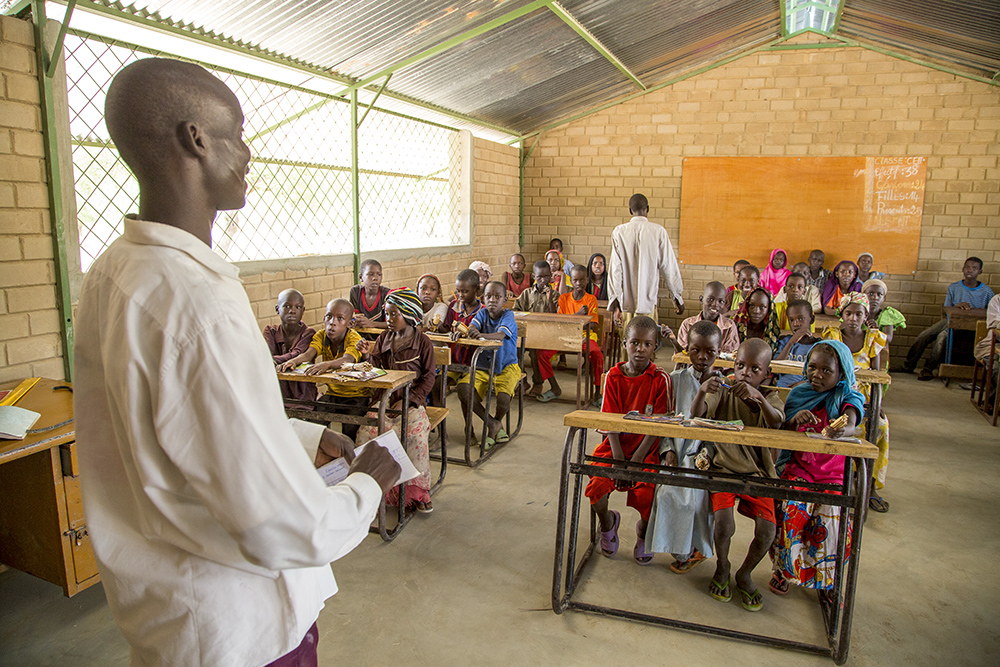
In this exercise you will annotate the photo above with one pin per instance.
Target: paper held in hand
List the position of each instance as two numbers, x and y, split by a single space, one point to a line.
336 471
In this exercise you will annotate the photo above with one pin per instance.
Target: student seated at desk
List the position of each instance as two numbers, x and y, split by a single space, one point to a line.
745 402
796 345
682 522
579 302
865 273
288 340
368 296
435 310
516 280
867 346
493 322
636 384
966 293
748 281
403 347
559 280
818 276
844 281
881 317
756 319
334 346
776 272
485 273
982 350
597 276
541 298
805 548
461 310
712 304
737 267
794 290
811 294
557 245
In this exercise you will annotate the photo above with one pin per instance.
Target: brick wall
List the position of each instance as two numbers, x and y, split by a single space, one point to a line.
495 215
30 344
817 102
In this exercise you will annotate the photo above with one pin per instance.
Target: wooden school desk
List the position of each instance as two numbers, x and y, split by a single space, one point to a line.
961 319
388 383
562 333
837 611
986 383
42 528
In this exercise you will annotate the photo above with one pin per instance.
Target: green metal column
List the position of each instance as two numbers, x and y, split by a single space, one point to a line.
46 70
355 185
520 183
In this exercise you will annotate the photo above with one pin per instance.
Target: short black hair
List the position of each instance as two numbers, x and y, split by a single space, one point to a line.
740 262
578 267
502 287
642 323
517 254
715 284
799 303
540 264
752 268
977 261
638 204
795 275
705 329
555 240
368 262
468 276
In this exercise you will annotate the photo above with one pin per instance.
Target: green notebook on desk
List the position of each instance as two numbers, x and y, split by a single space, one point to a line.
15 422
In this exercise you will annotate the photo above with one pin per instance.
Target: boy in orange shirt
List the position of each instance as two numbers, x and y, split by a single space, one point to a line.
579 302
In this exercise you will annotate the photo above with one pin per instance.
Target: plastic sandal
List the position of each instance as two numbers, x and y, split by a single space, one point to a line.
778 584
751 600
683 567
721 592
642 557
547 396
425 507
878 504
501 436
609 538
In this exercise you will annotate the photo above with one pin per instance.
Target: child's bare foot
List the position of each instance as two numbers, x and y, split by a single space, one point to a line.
494 427
535 391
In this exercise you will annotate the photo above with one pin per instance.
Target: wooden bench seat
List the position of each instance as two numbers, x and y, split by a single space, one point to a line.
436 415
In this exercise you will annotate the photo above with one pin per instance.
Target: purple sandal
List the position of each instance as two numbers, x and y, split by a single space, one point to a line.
642 557
609 538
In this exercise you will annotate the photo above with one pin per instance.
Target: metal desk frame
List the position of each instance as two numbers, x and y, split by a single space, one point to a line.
837 608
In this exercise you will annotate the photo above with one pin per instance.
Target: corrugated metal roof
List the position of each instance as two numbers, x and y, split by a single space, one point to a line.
536 70
965 34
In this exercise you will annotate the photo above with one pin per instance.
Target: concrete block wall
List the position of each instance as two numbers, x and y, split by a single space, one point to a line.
30 343
816 102
495 215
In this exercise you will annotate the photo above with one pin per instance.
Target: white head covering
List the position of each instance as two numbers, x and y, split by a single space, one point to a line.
477 266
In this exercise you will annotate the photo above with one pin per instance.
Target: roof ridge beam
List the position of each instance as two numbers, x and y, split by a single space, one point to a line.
591 39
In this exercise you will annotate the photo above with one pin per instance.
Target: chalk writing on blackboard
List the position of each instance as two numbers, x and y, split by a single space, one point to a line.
894 191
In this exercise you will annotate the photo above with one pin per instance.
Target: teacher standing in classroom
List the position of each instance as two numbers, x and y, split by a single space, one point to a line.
640 254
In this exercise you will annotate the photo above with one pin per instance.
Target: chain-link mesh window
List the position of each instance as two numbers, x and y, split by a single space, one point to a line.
299 186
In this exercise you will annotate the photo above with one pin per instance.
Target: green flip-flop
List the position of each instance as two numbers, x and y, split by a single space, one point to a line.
751 600
721 592
501 436
490 443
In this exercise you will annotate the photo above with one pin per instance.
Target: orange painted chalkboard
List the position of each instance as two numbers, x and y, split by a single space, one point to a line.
742 207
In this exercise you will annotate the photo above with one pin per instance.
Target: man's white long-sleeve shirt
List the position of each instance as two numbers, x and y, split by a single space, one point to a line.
212 530
640 253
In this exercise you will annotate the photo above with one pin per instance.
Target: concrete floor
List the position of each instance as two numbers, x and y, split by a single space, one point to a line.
470 583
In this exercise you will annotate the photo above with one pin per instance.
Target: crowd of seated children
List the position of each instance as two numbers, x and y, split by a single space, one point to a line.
516 280
795 289
597 276
844 281
579 302
634 384
712 304
541 298
775 274
485 273
805 548
968 292
289 340
756 319
747 281
493 322
882 317
742 400
817 275
681 522
331 348
403 347
868 347
368 296
796 345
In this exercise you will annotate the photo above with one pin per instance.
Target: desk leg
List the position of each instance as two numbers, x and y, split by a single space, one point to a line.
558 603
565 556
402 518
864 470
579 380
947 348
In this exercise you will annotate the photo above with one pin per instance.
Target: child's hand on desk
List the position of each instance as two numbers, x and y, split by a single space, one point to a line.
316 369
362 321
474 333
803 417
333 445
964 305
286 367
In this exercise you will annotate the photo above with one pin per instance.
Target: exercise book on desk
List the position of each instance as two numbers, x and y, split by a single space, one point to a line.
336 471
15 422
700 422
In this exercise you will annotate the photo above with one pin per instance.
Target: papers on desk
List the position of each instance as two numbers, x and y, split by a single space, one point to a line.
15 422
681 420
370 374
336 471
820 436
